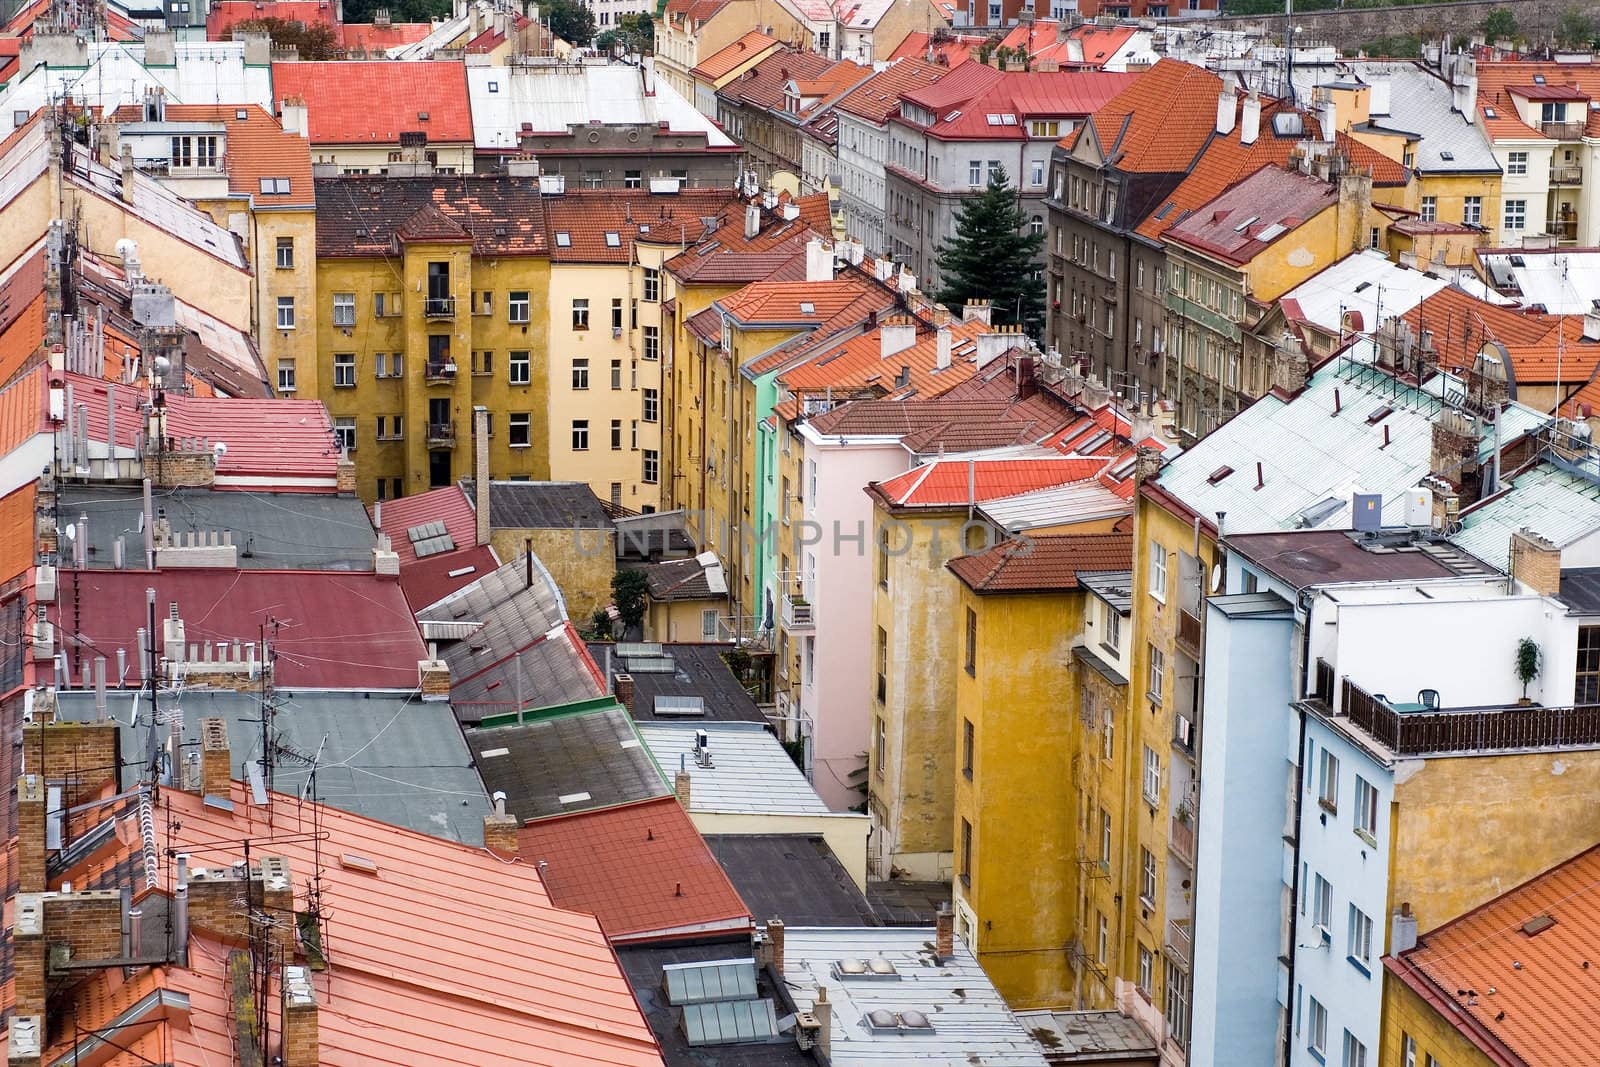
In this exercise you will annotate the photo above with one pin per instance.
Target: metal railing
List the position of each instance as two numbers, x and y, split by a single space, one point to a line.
1189 630
1323 683
441 435
439 372
1180 839
1566 174
439 307
1487 729
798 613
1180 943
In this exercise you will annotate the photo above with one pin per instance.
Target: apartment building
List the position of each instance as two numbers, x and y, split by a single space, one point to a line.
767 106
719 68
360 118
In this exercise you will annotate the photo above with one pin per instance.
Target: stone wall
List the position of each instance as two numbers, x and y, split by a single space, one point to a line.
1352 27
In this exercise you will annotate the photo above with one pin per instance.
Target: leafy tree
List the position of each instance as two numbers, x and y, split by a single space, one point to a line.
313 40
635 34
399 10
1500 25
1575 29
628 590
570 21
599 626
993 256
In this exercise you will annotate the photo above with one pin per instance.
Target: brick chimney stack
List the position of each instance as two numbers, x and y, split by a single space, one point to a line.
775 938
30 834
682 786
301 1047
500 828
1535 562
944 928
216 761
822 1010
25 1041
28 954
623 684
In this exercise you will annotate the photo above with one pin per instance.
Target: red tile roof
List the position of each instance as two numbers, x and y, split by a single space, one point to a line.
642 869
941 47
1022 96
787 302
1159 123
357 102
223 14
690 12
1263 208
724 61
1048 563
271 444
17 540
1462 324
257 147
879 96
602 225
334 630
859 363
429 580
1497 81
1531 1001
429 225
952 482
359 37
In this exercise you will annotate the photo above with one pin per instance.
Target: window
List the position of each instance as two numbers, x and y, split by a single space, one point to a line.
880 743
1108 731
344 370
616 374
616 435
1587 690
1158 671
1430 208
1050 128
1175 998
966 853
517 306
483 362
1152 775
519 368
1036 173
385 304
1113 630
1515 215
1158 571
967 746
633 434
1374 237
883 666
1147 967
1103 942
394 428
275 186
1355 1053
1516 163
1147 876
1366 810
285 375
975 172
652 343
580 314
631 179
1472 211
1105 837
1322 906
344 433
1328 781
519 429
652 285
286 253
652 466
580 374
580 435
285 312
1317 1029
1360 940
1408 1051
483 302
971 661
652 405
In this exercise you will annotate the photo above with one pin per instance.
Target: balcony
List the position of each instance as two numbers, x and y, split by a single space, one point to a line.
1563 229
439 307
1180 840
441 435
1566 174
1180 943
799 615
1189 631
1562 131
1418 730
439 372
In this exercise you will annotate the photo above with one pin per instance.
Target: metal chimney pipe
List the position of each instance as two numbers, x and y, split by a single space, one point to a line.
149 531
144 656
68 459
135 932
122 666
118 556
111 428
80 543
99 689
88 675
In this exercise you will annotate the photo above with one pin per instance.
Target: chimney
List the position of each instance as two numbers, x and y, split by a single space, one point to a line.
896 337
295 116
81 755
30 833
1227 102
1464 88
1402 930
682 787
216 762
941 315
775 938
301 1047
433 675
480 471
1096 394
1591 324
1290 367
1535 562
385 560
977 310
1250 121
944 932
1328 116
25 1040
1378 97
344 476
28 954
992 344
944 343
127 172
822 1011
500 828
622 686
1453 452
752 221
819 260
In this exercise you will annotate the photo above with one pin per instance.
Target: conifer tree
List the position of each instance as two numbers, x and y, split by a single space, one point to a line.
994 257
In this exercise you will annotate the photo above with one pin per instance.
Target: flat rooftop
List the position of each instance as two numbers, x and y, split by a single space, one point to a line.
697 671
1090 1037
1303 558
793 877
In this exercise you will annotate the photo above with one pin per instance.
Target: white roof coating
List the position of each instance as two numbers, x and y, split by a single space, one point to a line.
970 1023
206 72
1074 502
1419 103
1565 282
1366 281
1560 506
551 97
1312 460
750 772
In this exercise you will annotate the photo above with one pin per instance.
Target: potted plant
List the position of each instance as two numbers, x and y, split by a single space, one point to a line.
1527 665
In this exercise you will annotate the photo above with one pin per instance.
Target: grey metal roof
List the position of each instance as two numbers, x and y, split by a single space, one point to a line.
1251 605
543 506
383 756
1558 505
566 763
1089 1036
1312 459
280 531
520 645
793 877
698 671
1580 589
750 773
1114 587
971 1023
1419 102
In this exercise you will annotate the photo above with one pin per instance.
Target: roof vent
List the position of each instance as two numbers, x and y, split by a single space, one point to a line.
1538 925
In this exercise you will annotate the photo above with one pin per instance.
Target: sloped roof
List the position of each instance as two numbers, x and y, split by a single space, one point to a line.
1048 563
435 576
1557 505
642 870
878 97
1462 324
947 49
358 101
1159 123
762 85
680 579
257 147
726 59
359 215
602 225
795 303
859 363
1247 219
1497 80
954 482
1001 109
428 225
17 521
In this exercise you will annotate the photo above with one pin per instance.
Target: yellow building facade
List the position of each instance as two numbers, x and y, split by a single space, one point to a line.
1407 1015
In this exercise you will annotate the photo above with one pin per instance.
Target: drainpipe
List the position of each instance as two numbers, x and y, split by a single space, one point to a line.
1294 873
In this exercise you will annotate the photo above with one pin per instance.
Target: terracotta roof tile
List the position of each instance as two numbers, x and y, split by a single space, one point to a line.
1542 1011
642 869
367 102
950 482
1043 563
1461 324
793 302
17 540
223 14
429 225
1159 123
359 215
947 49
727 59
694 11
601 225
879 96
359 37
859 363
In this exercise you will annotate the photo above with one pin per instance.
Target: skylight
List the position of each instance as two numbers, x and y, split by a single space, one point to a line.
1538 79
613 239
563 239
808 308
1245 225
1488 112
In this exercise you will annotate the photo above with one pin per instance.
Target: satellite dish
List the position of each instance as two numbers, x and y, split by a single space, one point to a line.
1216 578
70 531
161 366
219 449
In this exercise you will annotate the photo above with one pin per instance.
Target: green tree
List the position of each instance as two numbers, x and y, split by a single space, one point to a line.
628 592
993 257
1500 25
570 21
1575 29
399 10
636 34
313 40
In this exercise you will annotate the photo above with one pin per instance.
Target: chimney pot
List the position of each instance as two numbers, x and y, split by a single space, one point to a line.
623 686
775 938
945 932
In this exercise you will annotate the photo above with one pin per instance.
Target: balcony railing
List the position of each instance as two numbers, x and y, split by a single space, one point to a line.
1323 683
1566 174
439 372
439 307
1486 729
1180 943
1562 229
441 435
799 616
1181 839
1562 131
1189 631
